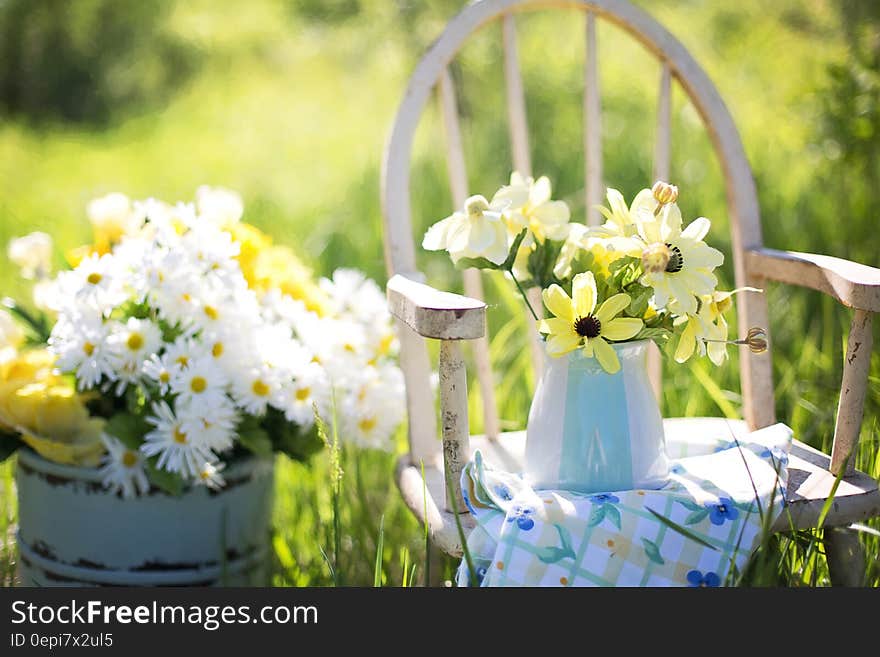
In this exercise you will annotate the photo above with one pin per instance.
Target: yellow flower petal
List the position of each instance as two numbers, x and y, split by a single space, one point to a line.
687 342
558 302
606 355
556 326
622 328
559 345
612 306
583 293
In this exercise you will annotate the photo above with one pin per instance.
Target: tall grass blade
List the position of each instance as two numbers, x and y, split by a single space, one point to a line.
380 548
674 526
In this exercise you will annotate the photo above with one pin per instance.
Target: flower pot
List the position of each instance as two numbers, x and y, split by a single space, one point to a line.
590 431
74 532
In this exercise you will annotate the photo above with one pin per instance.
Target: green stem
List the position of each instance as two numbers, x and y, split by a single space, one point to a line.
524 296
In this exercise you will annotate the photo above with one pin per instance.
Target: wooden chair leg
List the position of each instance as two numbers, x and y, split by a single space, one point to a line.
846 557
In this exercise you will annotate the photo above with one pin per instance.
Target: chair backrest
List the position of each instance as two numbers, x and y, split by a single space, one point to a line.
675 64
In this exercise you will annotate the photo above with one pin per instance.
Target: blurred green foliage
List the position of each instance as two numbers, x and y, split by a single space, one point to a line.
87 60
291 105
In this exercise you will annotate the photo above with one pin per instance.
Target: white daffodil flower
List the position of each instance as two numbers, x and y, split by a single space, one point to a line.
477 232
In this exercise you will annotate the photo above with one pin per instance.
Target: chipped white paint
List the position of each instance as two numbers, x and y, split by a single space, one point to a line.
454 417
435 314
851 406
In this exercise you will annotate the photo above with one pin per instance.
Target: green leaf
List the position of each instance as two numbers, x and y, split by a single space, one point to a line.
38 324
507 265
638 305
613 514
135 399
674 526
541 262
257 441
597 515
552 554
689 505
170 482
565 537
657 334
696 516
9 444
478 263
652 551
285 436
128 428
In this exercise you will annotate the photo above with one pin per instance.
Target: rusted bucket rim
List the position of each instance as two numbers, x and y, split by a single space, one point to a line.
121 577
239 469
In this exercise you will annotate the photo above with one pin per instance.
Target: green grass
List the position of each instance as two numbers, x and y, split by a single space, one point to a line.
294 113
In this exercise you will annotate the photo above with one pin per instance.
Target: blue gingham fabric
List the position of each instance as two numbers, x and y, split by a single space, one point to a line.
697 530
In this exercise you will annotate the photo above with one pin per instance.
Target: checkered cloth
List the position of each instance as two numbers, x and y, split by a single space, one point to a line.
693 532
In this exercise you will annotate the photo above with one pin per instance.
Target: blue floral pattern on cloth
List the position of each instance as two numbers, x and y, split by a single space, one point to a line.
521 516
723 510
696 578
719 491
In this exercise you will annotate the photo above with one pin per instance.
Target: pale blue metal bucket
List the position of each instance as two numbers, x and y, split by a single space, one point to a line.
73 532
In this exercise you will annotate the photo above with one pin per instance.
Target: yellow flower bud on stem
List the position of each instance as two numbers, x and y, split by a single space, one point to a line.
664 193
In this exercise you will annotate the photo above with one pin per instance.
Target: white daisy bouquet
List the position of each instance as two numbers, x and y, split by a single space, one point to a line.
182 338
642 274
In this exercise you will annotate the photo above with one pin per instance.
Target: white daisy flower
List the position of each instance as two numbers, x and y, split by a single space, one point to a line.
373 409
210 476
182 352
352 293
255 387
213 427
298 398
178 450
220 206
33 254
111 216
123 469
131 344
228 348
80 342
154 217
214 250
202 382
160 370
94 282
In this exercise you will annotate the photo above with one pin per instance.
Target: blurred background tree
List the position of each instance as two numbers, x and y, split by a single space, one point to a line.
89 60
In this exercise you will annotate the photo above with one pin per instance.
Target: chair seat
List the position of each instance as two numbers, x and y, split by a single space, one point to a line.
809 485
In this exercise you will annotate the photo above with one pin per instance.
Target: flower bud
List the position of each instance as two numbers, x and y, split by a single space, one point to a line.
476 206
655 257
664 192
756 339
33 254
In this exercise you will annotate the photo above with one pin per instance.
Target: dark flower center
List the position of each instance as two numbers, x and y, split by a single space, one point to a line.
722 508
676 260
587 327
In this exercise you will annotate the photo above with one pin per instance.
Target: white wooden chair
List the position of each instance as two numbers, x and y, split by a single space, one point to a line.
424 312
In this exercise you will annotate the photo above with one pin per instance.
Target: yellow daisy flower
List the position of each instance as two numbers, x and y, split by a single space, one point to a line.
579 324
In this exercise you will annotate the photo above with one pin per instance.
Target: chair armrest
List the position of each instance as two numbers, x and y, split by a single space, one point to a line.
852 284
435 314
